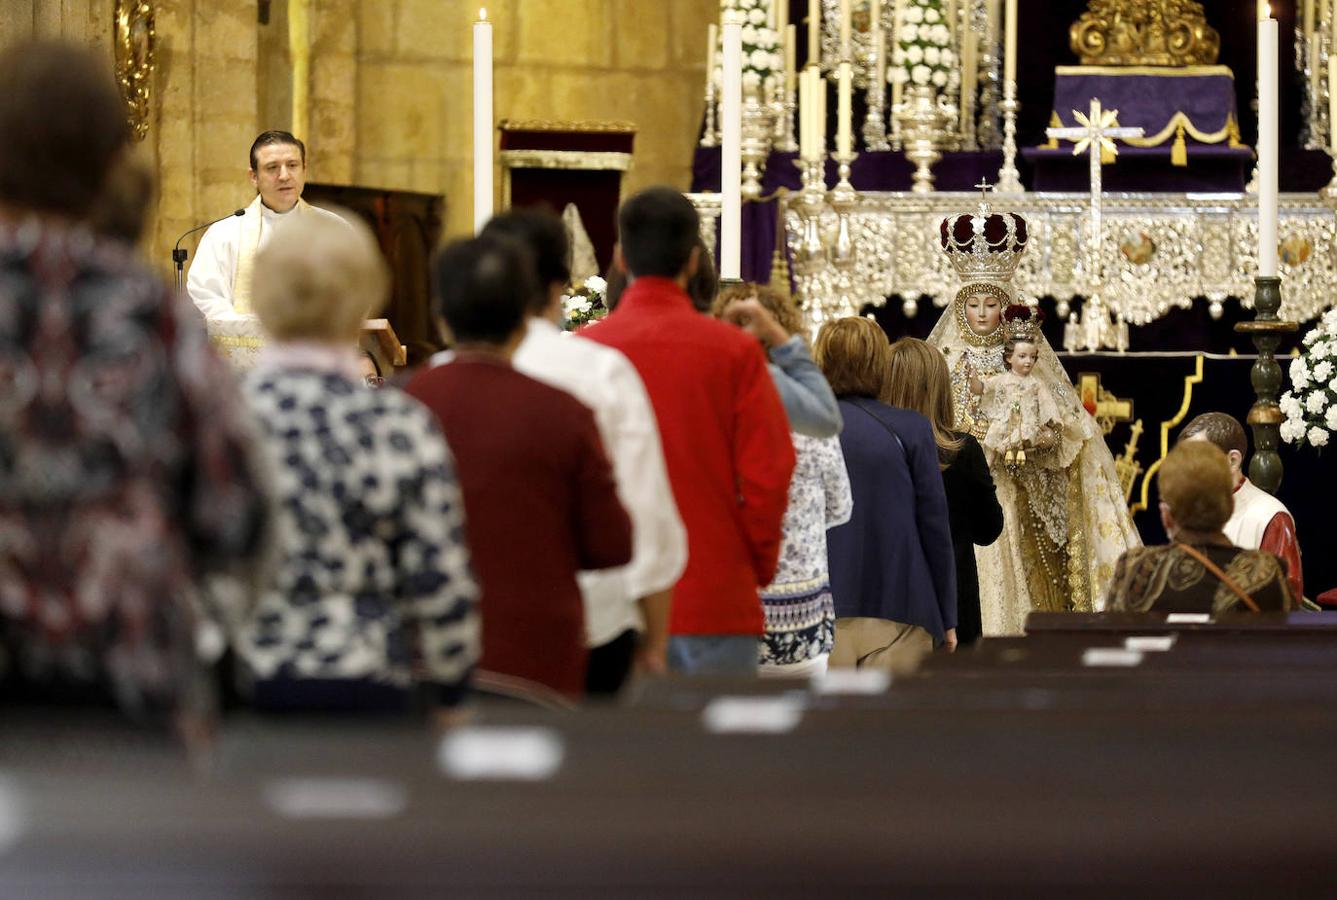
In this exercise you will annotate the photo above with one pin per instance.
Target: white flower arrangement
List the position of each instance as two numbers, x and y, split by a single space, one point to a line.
923 54
1310 406
763 60
584 304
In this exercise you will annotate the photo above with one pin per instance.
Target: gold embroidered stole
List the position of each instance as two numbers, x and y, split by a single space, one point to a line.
251 226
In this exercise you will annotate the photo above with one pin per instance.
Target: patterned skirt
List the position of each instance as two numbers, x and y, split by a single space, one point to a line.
800 622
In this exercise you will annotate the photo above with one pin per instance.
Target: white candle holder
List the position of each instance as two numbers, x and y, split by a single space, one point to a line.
785 104
710 136
810 256
875 125
1009 179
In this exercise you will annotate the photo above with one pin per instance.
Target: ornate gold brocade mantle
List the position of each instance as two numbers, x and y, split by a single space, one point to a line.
1145 33
1159 251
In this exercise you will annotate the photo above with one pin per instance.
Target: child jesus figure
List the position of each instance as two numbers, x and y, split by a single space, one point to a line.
1023 416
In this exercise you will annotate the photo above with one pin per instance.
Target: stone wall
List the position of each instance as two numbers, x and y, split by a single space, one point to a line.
391 93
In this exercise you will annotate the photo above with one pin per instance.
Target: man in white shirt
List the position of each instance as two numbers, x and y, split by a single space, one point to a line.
618 602
220 278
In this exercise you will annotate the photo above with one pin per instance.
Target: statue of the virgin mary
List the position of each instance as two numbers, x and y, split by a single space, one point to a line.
1066 523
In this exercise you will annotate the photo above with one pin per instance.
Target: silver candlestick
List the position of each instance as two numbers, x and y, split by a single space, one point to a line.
710 136
810 256
785 104
875 126
1009 179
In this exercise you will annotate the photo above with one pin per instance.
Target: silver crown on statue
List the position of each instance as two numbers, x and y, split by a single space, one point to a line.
985 245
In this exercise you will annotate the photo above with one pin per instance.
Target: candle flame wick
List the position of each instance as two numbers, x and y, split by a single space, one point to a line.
482 14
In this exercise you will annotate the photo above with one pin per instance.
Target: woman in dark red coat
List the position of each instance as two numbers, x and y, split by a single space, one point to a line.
540 501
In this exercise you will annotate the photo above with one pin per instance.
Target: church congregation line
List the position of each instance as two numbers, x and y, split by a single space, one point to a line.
687 485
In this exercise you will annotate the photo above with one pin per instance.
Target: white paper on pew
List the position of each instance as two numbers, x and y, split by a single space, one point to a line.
860 682
13 815
1111 656
1151 643
753 715
1188 619
335 798
496 753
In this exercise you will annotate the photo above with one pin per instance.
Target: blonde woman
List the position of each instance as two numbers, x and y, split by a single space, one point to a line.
918 380
800 615
1199 571
374 599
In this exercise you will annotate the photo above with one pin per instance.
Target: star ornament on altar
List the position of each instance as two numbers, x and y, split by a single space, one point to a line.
1095 131
1097 125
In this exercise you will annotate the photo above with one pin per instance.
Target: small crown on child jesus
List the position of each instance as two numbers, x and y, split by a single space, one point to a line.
1022 322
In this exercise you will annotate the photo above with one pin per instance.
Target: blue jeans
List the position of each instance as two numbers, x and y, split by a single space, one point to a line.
713 654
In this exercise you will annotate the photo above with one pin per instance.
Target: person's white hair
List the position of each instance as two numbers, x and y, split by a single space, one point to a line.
318 279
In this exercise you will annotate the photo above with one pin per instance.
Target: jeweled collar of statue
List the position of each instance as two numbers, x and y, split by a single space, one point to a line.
968 334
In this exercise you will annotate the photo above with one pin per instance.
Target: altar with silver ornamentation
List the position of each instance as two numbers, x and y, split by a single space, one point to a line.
1172 208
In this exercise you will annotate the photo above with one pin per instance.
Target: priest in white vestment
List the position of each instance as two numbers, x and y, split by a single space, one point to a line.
220 278
1260 521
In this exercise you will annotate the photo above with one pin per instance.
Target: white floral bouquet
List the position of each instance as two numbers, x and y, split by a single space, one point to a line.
584 304
1311 404
763 62
923 54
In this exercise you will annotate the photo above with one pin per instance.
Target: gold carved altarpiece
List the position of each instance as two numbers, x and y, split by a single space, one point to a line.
1145 33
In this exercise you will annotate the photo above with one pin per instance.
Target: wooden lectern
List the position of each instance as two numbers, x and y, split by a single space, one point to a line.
378 338
407 226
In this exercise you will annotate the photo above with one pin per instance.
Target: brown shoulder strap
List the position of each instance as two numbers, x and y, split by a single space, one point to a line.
1216 570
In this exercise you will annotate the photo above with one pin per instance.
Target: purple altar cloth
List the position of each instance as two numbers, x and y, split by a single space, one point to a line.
1150 97
1210 169
871 171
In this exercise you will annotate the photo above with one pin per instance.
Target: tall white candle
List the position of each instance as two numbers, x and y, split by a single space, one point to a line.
845 111
1332 104
1268 141
482 120
894 45
791 49
731 156
814 32
820 122
712 42
780 13
1010 42
804 111
846 28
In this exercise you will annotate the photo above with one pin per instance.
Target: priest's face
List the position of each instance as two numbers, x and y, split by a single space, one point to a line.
279 175
982 312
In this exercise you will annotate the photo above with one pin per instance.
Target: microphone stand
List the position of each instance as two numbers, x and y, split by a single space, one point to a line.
179 254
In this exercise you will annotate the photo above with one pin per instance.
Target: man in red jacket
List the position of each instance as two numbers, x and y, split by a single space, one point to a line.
726 438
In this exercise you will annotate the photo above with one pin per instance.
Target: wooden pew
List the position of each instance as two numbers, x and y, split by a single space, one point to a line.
1297 623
